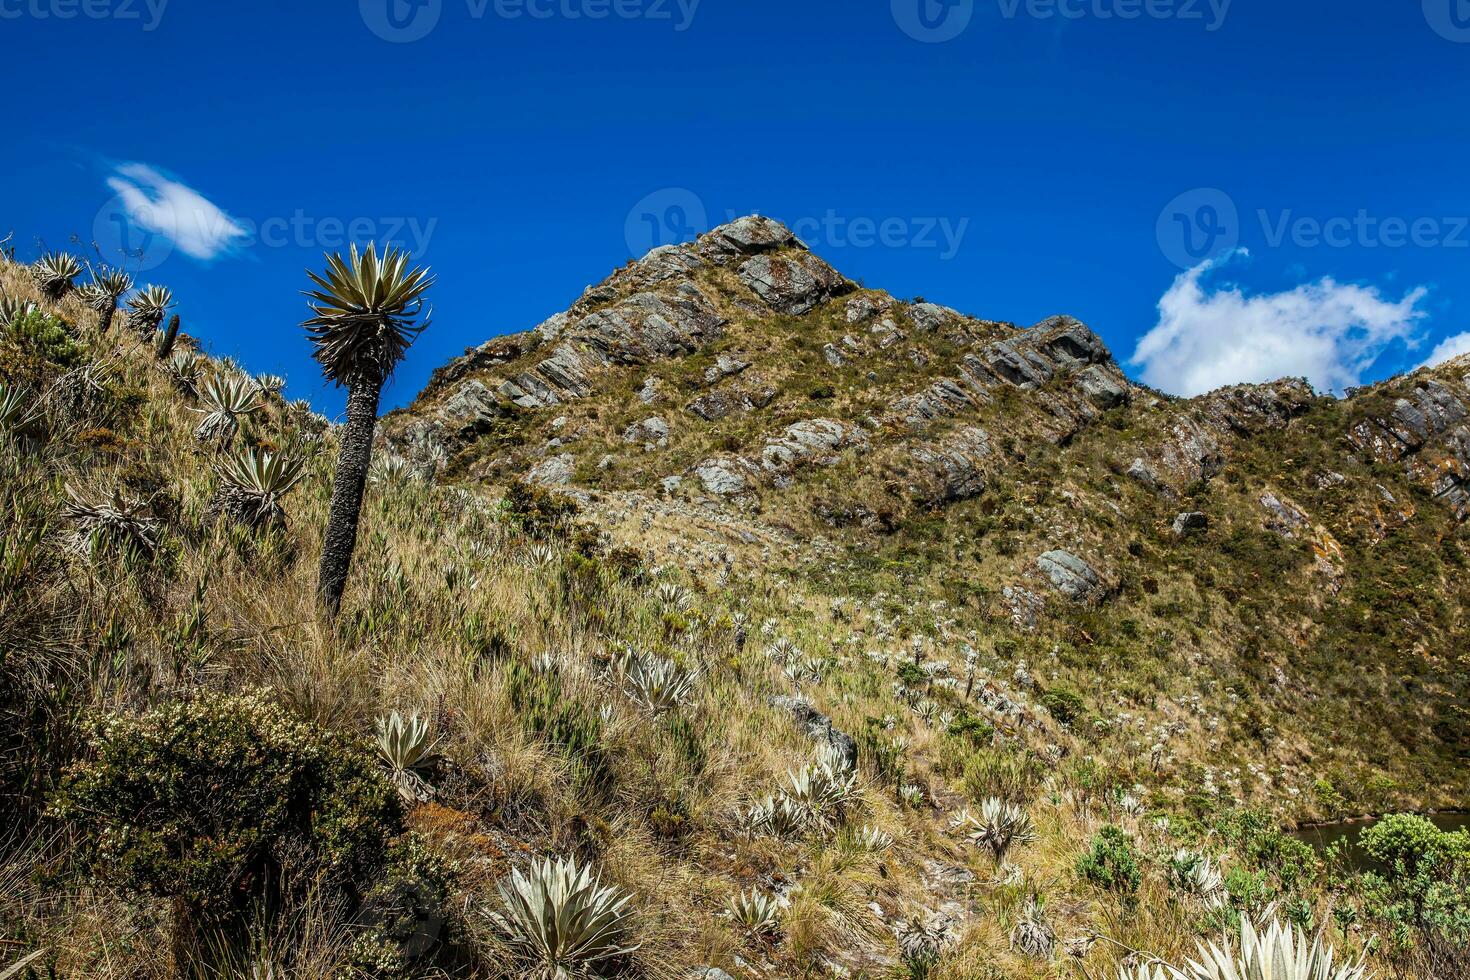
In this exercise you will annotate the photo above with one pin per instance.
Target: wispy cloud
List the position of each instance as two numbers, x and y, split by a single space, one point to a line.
1325 331
1448 348
155 202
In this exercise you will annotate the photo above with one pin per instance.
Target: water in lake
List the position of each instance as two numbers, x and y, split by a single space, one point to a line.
1323 837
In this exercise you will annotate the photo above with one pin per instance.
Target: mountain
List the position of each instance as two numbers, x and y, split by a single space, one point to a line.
741 621
1266 581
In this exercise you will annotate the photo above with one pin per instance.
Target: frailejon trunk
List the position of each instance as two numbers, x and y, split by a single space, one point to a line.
353 460
170 336
104 322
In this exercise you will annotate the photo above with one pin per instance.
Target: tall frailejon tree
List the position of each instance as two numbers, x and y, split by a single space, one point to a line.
103 293
366 312
170 337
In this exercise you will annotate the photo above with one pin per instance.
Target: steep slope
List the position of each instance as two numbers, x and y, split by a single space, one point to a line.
1257 579
811 591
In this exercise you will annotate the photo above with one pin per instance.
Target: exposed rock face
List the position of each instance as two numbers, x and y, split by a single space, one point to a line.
1059 347
793 284
812 441
1070 575
818 727
651 430
555 471
724 402
641 329
1196 447
931 317
726 476
1425 430
953 467
1283 517
1025 607
1191 521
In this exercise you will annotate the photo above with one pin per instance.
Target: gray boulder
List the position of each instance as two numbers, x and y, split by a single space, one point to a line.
651 430
1070 575
818 727
1190 521
723 476
793 284
554 471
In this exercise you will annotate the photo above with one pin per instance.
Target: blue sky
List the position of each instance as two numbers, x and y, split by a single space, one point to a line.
1011 158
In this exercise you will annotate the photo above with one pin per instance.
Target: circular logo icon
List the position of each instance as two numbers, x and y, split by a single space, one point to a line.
134 238
401 21
933 21
667 217
1449 18
1198 225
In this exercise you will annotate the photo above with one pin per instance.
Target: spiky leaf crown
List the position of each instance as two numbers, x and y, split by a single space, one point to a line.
364 312
55 271
266 474
147 307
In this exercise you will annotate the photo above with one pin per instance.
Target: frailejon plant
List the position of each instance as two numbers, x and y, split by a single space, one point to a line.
54 273
19 418
406 750
999 827
560 921
104 292
655 683
168 338
364 317
146 309
391 469
873 839
754 912
821 791
227 399
1279 951
1147 971
923 938
1033 935
269 384
184 370
252 485
1195 874
12 309
113 526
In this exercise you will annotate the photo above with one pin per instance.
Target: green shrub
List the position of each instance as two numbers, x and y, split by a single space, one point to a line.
201 800
976 731
1063 705
1111 863
538 512
912 674
1421 886
567 724
404 915
46 337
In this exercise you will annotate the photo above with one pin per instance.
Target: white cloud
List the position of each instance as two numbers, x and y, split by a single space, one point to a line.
156 203
1448 348
1325 331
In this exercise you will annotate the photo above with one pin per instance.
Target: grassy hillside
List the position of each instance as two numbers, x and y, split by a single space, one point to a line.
610 669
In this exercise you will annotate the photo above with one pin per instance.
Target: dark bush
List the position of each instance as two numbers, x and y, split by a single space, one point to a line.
200 801
1111 863
1063 705
539 512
